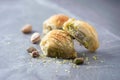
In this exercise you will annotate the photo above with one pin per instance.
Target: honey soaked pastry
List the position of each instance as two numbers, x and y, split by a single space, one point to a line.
58 43
82 32
54 22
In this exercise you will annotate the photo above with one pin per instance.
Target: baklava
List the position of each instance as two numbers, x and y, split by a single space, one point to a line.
82 32
58 43
54 22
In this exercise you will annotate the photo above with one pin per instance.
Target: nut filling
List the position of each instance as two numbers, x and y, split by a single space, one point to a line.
79 35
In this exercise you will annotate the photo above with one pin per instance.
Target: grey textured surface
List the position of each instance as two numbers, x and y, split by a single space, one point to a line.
16 64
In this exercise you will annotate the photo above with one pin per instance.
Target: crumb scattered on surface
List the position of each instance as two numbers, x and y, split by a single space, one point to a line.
88 62
83 54
86 59
94 57
31 49
67 71
64 61
102 61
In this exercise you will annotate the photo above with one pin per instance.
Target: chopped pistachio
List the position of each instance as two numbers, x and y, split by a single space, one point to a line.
64 61
85 44
86 58
73 66
94 57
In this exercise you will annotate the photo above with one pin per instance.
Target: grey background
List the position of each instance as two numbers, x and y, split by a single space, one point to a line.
16 64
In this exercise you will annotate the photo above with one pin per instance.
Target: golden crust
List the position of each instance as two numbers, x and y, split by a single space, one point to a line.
93 34
54 22
58 43
58 20
84 29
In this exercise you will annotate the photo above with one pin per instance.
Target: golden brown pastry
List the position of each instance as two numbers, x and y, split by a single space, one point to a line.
58 43
82 32
54 22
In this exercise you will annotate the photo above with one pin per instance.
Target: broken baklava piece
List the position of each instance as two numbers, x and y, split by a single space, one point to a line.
82 32
58 43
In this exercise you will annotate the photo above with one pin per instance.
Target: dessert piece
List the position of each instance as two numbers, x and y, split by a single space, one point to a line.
82 32
54 22
58 43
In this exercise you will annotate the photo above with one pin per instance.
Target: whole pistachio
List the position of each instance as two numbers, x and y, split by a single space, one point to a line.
35 54
31 49
78 61
27 28
35 37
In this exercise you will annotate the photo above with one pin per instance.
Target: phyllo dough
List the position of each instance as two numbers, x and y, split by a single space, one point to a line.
54 22
82 32
58 43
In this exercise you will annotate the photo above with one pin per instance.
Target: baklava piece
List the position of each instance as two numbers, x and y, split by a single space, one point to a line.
58 43
82 32
54 22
